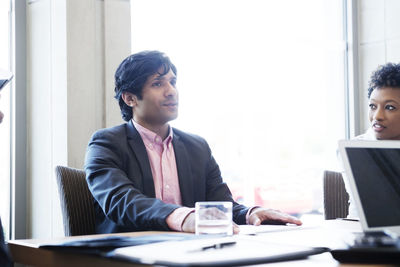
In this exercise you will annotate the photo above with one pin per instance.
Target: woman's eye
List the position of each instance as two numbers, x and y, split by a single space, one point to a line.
173 82
390 107
372 106
157 84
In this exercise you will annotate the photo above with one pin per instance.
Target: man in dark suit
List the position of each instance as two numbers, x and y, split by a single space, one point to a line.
146 175
4 257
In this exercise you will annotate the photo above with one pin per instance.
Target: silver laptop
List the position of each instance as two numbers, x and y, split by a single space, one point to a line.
373 170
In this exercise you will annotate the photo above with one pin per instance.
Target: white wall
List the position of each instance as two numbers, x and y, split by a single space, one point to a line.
379 43
69 63
40 113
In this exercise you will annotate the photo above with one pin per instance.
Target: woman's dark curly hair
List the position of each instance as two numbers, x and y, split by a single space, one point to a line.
133 72
387 75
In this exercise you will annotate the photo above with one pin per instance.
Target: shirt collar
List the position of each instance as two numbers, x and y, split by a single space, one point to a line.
152 137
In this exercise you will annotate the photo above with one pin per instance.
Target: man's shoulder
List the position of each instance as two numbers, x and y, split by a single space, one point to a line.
188 137
118 131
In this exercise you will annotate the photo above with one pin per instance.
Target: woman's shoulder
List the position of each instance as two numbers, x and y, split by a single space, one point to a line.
368 135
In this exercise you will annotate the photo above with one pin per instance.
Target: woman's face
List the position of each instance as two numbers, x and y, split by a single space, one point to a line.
384 113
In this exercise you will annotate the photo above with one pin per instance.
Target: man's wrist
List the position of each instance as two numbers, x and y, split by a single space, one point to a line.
186 217
250 211
177 217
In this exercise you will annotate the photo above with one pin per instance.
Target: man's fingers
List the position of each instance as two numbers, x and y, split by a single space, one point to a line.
257 222
269 216
294 220
236 228
289 219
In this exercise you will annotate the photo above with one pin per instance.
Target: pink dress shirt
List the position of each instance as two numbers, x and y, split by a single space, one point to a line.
165 174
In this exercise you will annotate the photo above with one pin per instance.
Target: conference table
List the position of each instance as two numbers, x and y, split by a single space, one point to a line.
329 233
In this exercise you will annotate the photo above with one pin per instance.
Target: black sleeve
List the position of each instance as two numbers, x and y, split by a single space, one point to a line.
115 192
4 256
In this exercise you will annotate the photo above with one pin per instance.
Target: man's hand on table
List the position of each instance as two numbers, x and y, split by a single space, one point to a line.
260 216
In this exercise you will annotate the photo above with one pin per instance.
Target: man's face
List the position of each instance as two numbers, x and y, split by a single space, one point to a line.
384 113
159 103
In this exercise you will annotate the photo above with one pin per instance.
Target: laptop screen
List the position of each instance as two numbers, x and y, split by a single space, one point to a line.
376 174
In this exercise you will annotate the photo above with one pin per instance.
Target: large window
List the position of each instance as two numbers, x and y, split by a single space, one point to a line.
5 126
263 82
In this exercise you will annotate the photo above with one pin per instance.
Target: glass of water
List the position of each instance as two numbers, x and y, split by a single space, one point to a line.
214 218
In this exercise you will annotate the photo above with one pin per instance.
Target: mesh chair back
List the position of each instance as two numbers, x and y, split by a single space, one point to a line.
336 198
76 202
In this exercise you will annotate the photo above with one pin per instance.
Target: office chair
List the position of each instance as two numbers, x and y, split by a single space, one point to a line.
76 202
336 198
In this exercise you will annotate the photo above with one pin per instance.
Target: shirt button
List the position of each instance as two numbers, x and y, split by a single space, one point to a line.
167 186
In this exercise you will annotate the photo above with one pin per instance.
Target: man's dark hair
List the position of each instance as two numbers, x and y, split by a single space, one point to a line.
133 72
387 75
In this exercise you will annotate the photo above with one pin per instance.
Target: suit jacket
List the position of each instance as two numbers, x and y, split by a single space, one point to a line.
119 176
5 260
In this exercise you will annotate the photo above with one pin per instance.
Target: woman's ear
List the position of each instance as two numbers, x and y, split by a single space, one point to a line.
129 99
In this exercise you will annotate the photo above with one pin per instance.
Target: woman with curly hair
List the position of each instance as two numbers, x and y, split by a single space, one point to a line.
384 112
384 104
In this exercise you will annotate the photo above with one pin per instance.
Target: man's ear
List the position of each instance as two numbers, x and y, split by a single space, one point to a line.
129 99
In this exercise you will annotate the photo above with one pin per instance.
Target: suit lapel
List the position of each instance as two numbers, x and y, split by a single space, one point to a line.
137 145
184 172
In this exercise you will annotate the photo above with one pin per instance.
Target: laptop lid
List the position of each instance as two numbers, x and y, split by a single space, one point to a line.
373 171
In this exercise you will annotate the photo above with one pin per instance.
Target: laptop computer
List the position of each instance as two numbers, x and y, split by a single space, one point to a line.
373 170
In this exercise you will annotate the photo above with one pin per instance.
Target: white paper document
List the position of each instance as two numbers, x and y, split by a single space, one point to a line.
223 251
252 229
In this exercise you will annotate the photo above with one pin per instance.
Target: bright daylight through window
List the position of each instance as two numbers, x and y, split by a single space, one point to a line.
263 82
